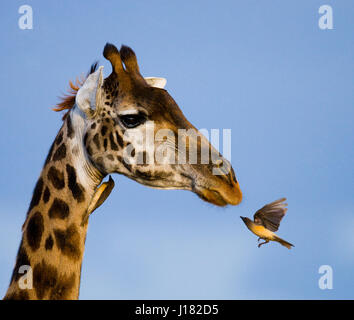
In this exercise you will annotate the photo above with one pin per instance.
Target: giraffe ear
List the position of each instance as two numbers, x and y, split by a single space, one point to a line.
156 82
88 96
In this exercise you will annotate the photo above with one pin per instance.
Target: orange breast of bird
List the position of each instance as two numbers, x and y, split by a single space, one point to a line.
261 231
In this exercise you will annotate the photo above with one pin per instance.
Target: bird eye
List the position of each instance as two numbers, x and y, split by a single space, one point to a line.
132 120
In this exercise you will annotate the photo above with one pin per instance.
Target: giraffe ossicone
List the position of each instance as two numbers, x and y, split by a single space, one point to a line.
156 82
91 144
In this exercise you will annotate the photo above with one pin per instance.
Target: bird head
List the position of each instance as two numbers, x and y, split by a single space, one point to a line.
246 220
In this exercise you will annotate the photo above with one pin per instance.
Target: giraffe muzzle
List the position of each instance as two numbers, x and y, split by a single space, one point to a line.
226 192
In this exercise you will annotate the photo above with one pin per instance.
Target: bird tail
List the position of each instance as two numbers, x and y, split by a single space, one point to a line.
283 242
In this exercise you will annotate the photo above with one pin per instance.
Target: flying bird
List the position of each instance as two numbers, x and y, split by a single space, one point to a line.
266 221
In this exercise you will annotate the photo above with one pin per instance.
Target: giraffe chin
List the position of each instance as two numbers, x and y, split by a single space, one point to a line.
217 198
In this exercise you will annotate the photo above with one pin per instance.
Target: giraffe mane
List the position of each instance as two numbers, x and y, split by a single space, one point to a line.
67 101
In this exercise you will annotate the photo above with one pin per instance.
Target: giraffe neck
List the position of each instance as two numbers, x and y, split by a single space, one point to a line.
53 238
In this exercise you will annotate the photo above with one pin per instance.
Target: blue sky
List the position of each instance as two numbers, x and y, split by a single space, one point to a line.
265 70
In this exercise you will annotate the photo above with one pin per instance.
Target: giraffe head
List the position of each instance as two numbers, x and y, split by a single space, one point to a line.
132 126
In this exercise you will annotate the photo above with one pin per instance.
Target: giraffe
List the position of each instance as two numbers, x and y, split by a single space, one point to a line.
103 117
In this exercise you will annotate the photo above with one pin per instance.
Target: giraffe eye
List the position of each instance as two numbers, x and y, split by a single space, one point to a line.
132 120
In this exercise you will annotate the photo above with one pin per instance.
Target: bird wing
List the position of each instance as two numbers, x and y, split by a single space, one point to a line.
271 214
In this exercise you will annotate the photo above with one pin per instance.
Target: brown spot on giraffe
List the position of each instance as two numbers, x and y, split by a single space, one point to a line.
60 153
59 209
103 130
76 188
46 195
59 138
35 230
113 144
49 242
56 177
96 140
45 278
37 193
119 140
68 241
70 130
